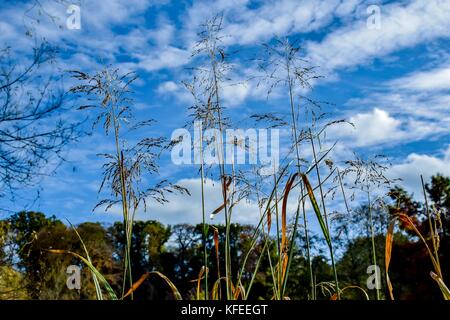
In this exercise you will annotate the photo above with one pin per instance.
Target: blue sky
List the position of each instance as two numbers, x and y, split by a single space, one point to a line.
393 83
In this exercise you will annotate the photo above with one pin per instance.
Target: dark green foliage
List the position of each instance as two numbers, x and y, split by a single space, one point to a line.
28 270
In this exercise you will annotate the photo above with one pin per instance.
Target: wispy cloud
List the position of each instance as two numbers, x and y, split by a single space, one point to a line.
402 26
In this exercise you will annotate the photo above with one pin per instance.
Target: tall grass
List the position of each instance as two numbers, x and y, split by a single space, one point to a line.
274 237
109 91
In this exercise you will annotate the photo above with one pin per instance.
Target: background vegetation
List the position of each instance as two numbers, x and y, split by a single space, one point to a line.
29 271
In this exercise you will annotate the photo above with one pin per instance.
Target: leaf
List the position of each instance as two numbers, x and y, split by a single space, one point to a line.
240 290
226 181
98 290
203 270
99 276
216 242
441 284
405 219
216 288
217 210
136 285
86 107
175 291
316 208
287 189
353 287
388 254
284 267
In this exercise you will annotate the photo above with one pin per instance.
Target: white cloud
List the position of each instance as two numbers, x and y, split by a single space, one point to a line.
168 57
430 80
168 86
417 164
371 128
235 94
188 209
185 208
247 22
419 100
401 27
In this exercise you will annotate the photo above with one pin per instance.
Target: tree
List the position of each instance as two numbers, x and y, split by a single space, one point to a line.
439 192
146 254
11 284
26 228
354 264
411 255
32 108
4 237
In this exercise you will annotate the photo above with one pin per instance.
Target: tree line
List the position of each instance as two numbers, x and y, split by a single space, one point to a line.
28 270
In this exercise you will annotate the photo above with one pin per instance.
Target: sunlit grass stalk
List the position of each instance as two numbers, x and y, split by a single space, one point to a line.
268 207
433 235
372 231
296 142
249 287
330 244
98 290
212 52
256 233
308 250
291 250
205 227
123 194
275 276
123 191
343 191
277 216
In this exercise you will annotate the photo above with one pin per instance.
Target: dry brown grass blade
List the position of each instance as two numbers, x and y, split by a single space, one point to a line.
57 251
287 189
218 209
225 186
226 182
203 271
216 246
284 240
407 220
388 254
236 293
174 289
284 267
216 242
216 289
233 288
269 220
240 291
137 284
141 280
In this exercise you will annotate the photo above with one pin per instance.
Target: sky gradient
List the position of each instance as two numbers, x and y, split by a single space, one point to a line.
391 82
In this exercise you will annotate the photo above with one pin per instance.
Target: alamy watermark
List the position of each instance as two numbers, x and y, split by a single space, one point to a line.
374 20
74 277
242 146
73 21
374 279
